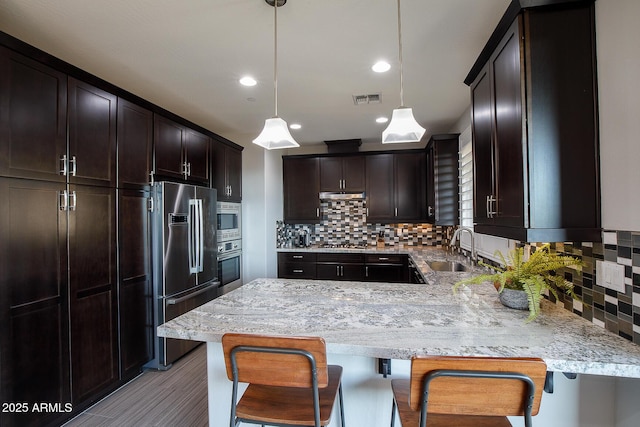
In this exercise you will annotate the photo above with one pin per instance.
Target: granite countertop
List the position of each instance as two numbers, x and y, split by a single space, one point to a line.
397 321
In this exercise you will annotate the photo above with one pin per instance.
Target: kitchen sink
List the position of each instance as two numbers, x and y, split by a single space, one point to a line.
447 266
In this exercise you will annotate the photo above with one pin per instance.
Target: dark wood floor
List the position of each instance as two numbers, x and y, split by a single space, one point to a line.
177 397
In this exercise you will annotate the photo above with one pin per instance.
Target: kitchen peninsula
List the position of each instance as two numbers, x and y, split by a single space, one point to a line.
362 322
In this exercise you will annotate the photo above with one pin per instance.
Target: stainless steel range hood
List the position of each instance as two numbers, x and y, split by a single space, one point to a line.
330 195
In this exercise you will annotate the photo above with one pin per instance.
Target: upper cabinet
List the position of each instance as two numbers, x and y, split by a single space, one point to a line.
181 153
442 179
342 173
395 186
33 119
135 138
534 120
92 135
227 171
301 185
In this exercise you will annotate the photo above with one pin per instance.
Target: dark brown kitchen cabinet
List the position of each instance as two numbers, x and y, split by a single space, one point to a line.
93 290
135 293
342 173
534 123
297 265
301 187
395 187
392 268
339 266
442 179
91 158
34 321
227 175
134 142
180 153
33 118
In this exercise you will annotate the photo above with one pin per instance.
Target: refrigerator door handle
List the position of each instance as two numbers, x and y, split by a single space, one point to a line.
193 244
173 301
200 237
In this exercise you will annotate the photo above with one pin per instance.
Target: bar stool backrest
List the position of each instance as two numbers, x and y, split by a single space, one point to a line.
285 361
455 388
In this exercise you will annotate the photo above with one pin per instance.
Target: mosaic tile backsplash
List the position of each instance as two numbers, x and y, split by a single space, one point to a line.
345 222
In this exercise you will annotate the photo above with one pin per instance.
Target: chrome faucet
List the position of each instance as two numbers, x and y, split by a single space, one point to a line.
474 256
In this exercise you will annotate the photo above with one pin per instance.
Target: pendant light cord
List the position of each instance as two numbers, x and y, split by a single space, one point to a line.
275 57
400 56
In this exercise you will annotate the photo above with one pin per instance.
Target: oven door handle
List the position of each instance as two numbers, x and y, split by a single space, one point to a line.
229 255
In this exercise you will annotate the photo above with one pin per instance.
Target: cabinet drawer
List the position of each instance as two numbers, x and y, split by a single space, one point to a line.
386 259
296 257
297 270
340 257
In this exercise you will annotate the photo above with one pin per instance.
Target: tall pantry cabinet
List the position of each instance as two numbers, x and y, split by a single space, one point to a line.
58 276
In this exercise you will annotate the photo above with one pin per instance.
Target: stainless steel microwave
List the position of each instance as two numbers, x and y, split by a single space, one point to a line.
229 221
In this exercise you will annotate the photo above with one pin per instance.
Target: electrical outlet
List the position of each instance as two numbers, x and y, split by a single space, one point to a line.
610 275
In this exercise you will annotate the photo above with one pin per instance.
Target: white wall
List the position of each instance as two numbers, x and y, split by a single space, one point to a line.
617 36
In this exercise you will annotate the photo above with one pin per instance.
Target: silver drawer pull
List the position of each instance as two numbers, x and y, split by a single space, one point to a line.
298 271
298 256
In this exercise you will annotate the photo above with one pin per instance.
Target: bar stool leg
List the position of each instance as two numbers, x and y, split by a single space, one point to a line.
393 413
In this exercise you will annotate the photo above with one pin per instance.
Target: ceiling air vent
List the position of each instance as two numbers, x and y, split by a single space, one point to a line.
374 98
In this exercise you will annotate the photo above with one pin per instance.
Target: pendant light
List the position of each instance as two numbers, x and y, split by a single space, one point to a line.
403 126
275 133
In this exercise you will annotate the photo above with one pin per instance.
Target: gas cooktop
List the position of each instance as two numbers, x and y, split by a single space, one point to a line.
342 246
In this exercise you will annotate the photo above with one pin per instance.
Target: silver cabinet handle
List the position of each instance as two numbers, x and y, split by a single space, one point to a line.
366 271
318 212
150 204
337 270
396 211
151 175
74 165
72 196
184 170
64 205
63 161
298 271
298 256
383 258
430 211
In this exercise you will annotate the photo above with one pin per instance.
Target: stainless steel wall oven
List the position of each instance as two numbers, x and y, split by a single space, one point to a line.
230 265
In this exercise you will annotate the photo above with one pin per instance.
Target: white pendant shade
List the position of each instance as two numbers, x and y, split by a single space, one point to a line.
275 135
402 128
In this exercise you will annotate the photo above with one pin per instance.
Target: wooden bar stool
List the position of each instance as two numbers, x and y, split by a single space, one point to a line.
468 391
289 380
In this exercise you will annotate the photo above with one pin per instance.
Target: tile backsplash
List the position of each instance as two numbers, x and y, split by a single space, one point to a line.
345 221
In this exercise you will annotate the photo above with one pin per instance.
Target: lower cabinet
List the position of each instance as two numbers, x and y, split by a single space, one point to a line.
387 268
340 266
297 265
392 268
58 298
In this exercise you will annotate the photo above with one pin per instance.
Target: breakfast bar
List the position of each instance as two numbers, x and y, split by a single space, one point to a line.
362 322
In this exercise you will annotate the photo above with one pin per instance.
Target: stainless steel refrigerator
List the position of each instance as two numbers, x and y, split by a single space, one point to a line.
184 254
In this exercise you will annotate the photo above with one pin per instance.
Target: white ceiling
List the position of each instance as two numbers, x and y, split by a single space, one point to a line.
187 56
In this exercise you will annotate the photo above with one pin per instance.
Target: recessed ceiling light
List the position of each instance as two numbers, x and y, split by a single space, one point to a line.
382 120
381 67
295 126
248 81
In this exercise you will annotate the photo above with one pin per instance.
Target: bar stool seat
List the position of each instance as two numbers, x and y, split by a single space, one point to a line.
289 381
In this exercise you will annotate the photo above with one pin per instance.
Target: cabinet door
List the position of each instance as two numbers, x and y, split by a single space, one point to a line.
33 118
410 186
330 173
167 148
386 273
509 185
33 298
481 111
135 137
379 188
353 173
135 293
197 156
92 135
301 187
92 282
430 156
233 161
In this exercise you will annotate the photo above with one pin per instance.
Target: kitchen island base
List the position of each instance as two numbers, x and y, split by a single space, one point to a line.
588 400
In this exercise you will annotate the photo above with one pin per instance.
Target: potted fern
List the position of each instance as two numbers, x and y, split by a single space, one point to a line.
521 283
